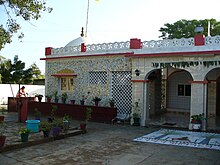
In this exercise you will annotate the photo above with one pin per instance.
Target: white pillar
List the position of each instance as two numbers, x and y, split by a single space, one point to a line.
199 99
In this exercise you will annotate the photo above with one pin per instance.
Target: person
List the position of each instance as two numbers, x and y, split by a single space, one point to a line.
21 92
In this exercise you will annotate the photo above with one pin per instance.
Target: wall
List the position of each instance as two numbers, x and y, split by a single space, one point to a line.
10 90
82 66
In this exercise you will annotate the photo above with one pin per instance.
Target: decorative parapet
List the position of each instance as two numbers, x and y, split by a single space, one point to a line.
94 48
167 45
215 40
183 42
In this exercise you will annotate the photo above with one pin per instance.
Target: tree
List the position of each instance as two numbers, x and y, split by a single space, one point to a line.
36 72
15 73
26 9
185 28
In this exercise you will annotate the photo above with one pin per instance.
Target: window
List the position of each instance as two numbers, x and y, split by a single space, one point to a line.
67 84
184 90
97 78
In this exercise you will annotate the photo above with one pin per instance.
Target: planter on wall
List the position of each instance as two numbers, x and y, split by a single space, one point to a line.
72 101
2 118
2 141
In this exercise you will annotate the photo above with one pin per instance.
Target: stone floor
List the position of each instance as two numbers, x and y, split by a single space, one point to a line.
103 144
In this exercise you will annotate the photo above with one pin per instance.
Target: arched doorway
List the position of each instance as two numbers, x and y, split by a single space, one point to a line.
169 96
213 99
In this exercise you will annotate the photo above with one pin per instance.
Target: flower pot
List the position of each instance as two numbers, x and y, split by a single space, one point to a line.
72 101
56 100
96 103
39 99
56 131
66 125
136 121
2 118
82 102
83 126
46 133
2 141
64 100
112 105
48 100
196 126
24 137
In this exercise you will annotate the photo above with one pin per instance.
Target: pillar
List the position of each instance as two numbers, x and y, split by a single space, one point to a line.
199 99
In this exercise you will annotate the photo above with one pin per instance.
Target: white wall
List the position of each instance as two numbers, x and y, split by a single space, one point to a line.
7 90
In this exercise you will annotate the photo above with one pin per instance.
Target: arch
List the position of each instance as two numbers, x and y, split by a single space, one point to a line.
213 98
179 91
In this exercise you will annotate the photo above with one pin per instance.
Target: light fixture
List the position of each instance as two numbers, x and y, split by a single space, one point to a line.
137 72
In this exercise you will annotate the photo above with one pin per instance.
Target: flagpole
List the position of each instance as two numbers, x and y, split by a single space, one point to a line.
87 19
209 24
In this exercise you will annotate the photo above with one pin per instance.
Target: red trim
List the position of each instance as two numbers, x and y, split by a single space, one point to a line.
198 82
173 53
144 81
91 55
63 74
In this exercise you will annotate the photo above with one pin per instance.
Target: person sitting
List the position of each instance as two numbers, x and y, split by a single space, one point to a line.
21 92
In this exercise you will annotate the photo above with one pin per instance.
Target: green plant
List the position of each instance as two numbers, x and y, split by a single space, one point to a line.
96 99
23 130
111 102
49 96
136 110
45 125
57 122
198 118
64 95
39 95
56 96
66 118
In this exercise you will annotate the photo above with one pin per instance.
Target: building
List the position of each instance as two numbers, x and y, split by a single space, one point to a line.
164 76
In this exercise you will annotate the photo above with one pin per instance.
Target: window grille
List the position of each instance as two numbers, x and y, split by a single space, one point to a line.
97 78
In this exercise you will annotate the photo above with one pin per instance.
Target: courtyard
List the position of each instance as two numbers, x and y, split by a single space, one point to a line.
105 144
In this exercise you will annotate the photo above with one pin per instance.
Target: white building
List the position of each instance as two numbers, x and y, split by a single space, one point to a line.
178 75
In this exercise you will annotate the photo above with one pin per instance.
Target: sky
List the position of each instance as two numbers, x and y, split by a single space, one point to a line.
109 21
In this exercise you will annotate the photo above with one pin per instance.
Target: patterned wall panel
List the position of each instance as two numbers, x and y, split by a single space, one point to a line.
122 91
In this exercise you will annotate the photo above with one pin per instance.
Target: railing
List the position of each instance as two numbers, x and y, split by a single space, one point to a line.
122 46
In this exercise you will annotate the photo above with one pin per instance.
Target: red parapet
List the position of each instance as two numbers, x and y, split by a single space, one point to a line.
199 39
135 43
48 51
83 47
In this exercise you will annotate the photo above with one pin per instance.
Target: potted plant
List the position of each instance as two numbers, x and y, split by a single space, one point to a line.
57 126
66 122
72 101
39 97
136 114
64 97
24 132
196 121
82 101
37 114
49 97
88 116
46 128
112 102
3 127
96 100
56 97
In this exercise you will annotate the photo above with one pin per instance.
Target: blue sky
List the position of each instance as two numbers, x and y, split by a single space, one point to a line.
109 21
